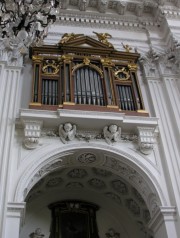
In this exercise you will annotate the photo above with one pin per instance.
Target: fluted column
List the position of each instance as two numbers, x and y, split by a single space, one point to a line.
9 86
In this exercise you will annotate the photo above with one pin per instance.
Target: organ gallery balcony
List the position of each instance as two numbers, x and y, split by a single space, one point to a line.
81 73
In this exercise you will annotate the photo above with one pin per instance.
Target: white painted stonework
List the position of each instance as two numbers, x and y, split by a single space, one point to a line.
135 179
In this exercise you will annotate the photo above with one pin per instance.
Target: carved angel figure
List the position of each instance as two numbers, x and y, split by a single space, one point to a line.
103 37
112 133
67 132
69 36
126 47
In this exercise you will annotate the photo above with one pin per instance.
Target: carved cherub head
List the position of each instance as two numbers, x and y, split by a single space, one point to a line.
113 128
67 127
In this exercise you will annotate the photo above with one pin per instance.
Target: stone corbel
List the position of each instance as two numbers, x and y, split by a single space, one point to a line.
146 139
102 5
32 133
121 7
139 9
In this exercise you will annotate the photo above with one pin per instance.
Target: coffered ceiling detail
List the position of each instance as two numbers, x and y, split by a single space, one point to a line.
96 181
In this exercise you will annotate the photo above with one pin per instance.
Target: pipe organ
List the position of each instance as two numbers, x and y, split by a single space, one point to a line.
83 73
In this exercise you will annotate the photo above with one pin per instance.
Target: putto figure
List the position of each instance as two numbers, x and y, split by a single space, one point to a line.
67 132
112 133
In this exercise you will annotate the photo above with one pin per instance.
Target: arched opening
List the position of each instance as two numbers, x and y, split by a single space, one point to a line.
125 200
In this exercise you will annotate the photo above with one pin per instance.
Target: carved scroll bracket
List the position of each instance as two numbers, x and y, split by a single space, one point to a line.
146 139
32 133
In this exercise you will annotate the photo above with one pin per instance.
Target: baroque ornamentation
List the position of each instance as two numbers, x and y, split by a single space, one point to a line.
88 135
103 38
146 139
77 173
112 133
128 173
133 207
149 63
86 158
102 172
32 133
120 187
97 183
54 182
67 132
69 37
43 171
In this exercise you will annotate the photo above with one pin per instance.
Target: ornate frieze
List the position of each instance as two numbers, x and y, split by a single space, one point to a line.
32 133
146 139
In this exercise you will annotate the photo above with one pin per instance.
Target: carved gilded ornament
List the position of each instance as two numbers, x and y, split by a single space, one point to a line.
126 47
69 37
86 62
132 67
37 58
122 71
66 58
103 38
50 64
107 62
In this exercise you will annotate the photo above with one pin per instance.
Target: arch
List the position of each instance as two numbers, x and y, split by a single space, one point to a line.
113 159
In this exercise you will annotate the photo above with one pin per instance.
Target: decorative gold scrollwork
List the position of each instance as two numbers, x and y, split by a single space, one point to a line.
66 58
132 67
37 58
125 74
107 62
50 68
87 62
68 37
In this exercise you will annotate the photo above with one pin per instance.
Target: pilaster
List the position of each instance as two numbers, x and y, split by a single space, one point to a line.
14 219
10 78
163 223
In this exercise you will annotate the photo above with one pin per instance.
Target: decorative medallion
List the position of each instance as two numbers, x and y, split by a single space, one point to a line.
87 158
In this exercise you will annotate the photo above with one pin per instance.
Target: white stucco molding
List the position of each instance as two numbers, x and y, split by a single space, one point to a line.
87 119
32 133
47 159
146 139
16 210
164 216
